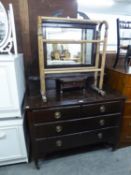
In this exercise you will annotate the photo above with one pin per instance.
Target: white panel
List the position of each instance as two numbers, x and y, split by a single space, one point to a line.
9 145
12 144
5 95
12 86
20 79
9 85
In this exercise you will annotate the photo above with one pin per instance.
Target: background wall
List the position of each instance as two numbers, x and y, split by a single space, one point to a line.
120 9
26 12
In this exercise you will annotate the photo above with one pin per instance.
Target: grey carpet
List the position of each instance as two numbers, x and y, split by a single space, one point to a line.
99 162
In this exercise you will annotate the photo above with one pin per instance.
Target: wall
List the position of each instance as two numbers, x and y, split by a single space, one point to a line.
118 8
26 12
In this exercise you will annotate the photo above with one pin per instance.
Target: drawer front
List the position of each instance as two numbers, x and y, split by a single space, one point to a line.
102 108
126 130
65 113
11 144
55 114
75 126
76 140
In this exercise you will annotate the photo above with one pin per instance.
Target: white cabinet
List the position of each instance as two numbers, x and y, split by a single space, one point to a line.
12 90
12 85
12 142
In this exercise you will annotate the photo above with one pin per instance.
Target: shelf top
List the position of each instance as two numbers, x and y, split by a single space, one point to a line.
34 101
9 58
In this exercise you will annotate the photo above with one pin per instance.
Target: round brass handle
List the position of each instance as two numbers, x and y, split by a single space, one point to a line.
58 143
58 128
100 135
57 115
102 122
102 108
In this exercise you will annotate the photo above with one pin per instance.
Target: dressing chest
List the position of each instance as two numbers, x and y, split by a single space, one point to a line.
73 120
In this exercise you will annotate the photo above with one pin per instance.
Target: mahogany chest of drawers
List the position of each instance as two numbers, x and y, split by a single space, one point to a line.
73 120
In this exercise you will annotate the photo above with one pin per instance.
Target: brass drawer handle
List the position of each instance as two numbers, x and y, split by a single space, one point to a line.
58 143
59 128
102 122
102 108
100 135
57 115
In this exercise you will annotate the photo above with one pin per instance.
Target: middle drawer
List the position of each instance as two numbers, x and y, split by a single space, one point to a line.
50 129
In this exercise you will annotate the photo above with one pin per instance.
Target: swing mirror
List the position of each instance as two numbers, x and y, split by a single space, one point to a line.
61 53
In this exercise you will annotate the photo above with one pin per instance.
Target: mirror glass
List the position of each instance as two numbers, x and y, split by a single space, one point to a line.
3 25
75 54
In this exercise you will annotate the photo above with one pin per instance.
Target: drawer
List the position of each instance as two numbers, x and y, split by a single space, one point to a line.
126 130
55 114
102 108
75 140
74 126
12 146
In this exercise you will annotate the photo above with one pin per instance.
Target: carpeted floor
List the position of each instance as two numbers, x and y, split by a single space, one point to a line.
99 162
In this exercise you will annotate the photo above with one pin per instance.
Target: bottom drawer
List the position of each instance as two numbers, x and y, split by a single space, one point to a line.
75 140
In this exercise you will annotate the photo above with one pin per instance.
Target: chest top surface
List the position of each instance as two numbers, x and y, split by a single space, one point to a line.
68 98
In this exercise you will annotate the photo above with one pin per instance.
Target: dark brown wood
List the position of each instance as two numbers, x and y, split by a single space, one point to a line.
74 126
101 109
73 120
75 140
73 111
47 115
64 84
25 32
120 80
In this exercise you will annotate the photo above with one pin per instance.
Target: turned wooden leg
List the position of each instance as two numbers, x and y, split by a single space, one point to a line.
37 164
114 146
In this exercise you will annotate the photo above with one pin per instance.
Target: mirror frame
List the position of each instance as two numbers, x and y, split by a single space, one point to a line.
9 41
2 43
63 24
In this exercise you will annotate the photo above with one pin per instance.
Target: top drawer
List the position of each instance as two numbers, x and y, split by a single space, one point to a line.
102 108
55 114
73 112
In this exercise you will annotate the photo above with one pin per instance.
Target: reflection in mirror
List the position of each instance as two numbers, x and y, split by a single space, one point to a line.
59 53
4 28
